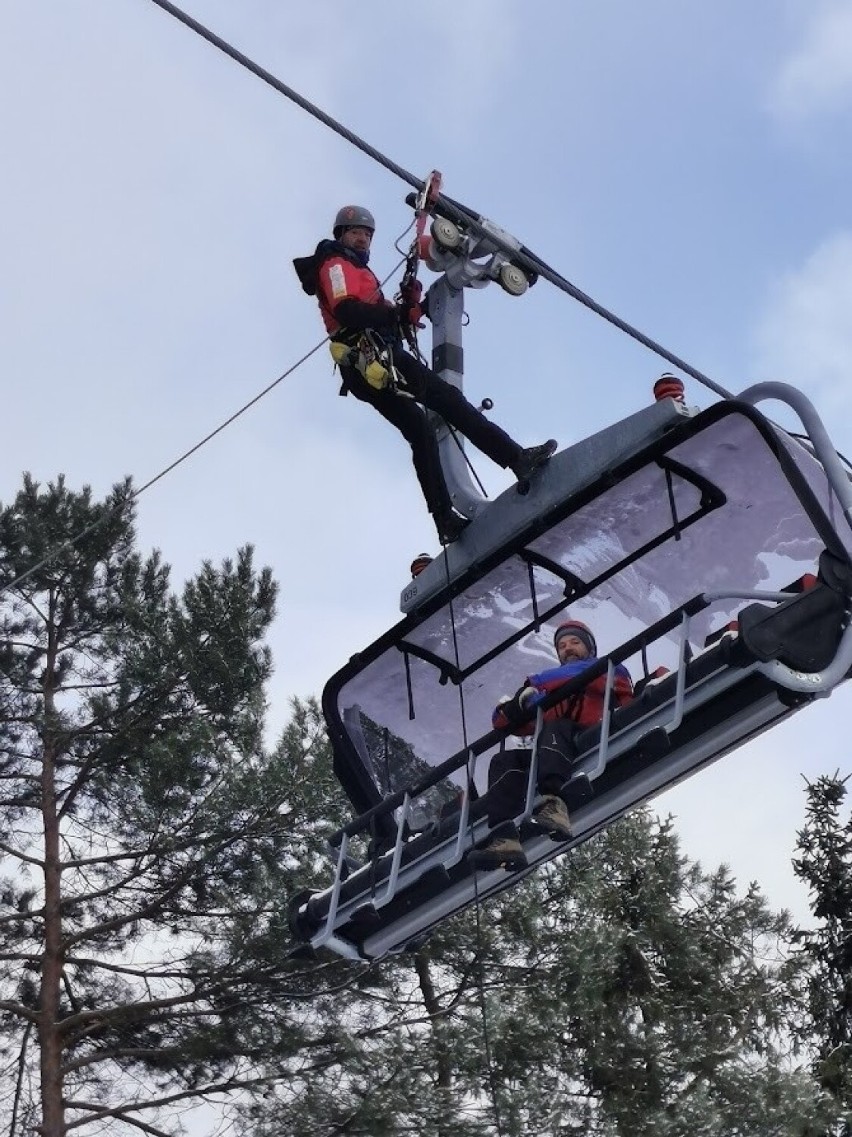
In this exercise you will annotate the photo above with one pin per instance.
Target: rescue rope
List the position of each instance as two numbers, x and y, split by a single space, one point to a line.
523 257
72 541
480 949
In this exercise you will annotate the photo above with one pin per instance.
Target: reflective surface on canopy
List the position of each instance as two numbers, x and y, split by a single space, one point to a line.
760 538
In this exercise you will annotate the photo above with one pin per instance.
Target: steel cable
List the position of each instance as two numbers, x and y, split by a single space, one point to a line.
446 206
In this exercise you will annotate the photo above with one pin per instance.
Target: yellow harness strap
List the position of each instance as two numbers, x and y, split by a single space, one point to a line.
364 358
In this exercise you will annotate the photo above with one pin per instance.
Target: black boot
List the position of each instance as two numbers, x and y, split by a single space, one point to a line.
531 459
450 526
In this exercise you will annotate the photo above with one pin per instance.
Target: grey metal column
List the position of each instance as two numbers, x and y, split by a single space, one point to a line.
446 311
465 260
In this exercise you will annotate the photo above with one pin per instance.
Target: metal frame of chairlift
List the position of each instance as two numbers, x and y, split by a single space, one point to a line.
450 845
609 746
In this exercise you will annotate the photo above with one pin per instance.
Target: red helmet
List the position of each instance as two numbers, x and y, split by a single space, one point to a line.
420 562
580 630
352 216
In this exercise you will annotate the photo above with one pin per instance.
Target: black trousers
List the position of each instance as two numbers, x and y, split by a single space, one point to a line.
410 419
509 771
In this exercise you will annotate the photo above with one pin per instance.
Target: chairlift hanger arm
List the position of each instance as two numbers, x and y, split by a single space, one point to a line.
817 434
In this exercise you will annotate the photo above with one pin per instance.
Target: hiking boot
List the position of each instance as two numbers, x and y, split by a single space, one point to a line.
450 527
552 817
499 853
532 459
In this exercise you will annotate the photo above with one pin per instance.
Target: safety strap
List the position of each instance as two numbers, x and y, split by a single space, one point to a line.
370 358
423 204
422 208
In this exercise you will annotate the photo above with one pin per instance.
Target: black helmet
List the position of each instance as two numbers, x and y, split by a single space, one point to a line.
350 216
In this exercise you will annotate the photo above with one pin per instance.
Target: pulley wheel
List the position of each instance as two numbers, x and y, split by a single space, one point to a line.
445 233
513 279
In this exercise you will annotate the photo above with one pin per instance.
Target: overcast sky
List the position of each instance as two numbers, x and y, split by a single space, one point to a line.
686 165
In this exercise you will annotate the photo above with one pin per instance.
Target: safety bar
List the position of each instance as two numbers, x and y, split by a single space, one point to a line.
390 890
480 745
464 813
817 683
460 849
603 744
533 775
812 683
326 934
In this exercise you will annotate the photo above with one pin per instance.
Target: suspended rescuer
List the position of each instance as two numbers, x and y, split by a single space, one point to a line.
508 773
366 342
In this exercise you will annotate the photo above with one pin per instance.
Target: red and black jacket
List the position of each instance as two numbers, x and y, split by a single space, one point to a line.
584 708
349 293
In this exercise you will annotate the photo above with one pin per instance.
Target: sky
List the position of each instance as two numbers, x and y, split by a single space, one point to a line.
688 166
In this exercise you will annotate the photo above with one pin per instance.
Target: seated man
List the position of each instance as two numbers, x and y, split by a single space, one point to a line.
508 773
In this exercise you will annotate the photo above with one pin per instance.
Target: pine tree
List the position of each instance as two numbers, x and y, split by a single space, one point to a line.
825 864
143 826
624 992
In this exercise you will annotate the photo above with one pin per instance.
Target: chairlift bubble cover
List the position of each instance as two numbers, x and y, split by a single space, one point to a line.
659 552
723 502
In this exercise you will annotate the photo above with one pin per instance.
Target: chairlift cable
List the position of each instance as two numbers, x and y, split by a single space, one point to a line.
446 206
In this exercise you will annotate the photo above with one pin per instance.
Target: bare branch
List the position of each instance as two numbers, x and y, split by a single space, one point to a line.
19 1081
120 1111
19 1009
17 855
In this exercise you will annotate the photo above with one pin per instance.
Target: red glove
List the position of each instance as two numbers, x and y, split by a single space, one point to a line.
410 308
410 291
413 315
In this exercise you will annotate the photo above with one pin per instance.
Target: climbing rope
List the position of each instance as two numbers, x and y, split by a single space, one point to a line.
72 541
480 949
125 501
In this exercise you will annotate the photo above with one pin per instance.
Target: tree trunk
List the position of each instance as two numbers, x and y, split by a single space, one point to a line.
443 1061
53 1111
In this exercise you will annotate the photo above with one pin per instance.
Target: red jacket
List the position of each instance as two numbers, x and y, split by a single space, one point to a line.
349 293
339 279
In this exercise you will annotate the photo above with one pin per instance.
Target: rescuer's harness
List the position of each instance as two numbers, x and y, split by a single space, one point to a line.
369 356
